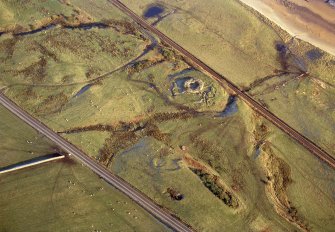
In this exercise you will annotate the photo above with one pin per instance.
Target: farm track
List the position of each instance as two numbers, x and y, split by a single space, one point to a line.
224 82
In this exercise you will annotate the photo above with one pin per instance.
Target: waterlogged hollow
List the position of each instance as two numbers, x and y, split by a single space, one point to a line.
180 82
153 11
231 107
83 90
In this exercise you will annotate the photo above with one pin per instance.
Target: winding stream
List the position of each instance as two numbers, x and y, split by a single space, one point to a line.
84 26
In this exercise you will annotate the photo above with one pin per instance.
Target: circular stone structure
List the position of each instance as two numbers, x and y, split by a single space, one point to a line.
193 85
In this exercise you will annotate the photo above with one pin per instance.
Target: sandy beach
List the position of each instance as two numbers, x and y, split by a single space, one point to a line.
312 21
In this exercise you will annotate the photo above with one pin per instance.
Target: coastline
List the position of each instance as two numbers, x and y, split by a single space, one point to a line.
301 21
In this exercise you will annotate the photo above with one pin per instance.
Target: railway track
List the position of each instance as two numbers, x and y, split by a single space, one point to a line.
224 82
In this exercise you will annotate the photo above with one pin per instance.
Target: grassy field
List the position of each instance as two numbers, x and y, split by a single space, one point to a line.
290 98
20 142
155 90
220 33
307 175
219 182
63 57
90 141
169 129
18 17
99 9
236 150
252 52
65 196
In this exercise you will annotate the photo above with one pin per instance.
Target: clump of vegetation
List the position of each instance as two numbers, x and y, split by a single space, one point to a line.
162 117
146 125
167 53
153 131
122 26
115 144
210 153
92 72
140 66
45 51
52 104
283 54
278 175
8 46
28 93
212 183
174 194
260 132
98 127
170 55
36 71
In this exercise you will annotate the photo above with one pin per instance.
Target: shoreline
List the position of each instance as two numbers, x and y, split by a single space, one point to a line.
299 24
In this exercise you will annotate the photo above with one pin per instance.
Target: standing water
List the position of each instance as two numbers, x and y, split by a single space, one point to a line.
230 108
153 11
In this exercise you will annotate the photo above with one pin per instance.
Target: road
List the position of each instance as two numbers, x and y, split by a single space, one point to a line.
161 214
224 82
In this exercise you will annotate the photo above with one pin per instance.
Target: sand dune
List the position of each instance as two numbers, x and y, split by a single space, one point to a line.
309 20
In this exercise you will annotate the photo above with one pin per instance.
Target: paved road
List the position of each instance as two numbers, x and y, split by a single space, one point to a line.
311 146
112 179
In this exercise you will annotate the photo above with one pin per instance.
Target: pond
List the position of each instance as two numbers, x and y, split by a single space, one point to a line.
83 90
153 11
180 82
314 54
231 107
194 85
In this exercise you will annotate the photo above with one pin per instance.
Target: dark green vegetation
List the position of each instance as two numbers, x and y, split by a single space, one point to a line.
135 105
211 182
